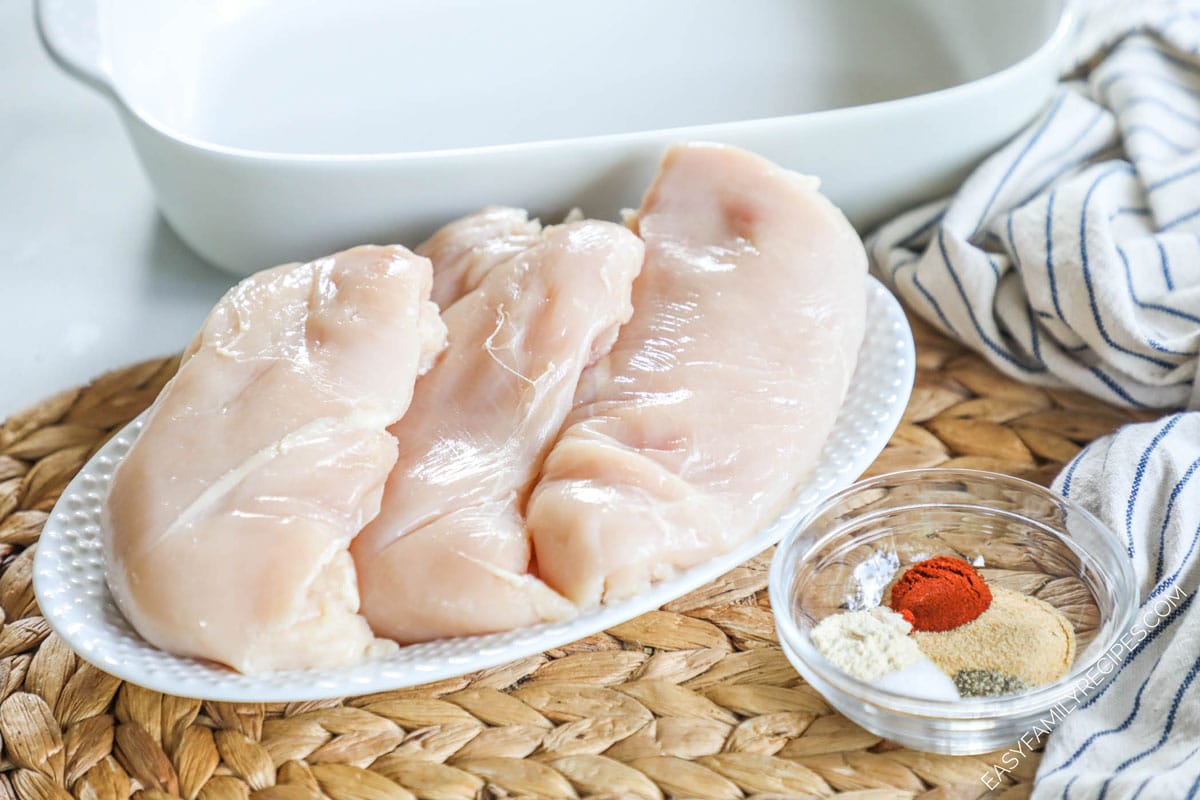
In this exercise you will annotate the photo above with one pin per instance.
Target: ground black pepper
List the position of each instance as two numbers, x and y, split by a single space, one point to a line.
987 683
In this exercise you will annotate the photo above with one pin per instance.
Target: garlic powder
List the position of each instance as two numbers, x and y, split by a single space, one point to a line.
866 644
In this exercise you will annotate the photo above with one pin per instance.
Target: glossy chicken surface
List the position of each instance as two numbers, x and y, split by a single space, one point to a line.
720 391
449 554
228 524
465 250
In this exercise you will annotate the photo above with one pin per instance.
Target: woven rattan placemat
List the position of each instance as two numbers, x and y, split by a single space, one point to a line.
693 700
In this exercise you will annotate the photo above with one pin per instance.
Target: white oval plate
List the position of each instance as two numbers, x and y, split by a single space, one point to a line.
68 575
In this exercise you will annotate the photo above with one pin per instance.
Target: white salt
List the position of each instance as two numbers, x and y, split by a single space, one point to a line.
921 679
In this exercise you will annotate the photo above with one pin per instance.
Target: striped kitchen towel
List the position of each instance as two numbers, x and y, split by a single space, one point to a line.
1072 256
1139 737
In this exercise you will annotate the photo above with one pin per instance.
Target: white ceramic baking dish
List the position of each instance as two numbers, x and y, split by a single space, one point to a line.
278 130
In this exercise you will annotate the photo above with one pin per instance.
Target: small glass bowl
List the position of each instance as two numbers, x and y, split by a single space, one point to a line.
1018 534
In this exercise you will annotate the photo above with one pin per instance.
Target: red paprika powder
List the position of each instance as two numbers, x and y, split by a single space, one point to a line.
940 594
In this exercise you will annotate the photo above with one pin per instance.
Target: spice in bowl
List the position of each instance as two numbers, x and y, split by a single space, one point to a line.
1017 635
940 594
948 635
875 646
987 683
866 644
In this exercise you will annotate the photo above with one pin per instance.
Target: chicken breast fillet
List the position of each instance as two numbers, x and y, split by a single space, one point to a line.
449 554
465 250
229 523
720 391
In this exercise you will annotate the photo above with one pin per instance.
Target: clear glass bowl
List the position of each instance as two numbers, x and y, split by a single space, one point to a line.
1029 539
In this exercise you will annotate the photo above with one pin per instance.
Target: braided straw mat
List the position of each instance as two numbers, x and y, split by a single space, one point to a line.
694 700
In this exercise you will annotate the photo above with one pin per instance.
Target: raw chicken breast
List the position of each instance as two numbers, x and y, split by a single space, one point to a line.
449 554
466 249
720 391
229 523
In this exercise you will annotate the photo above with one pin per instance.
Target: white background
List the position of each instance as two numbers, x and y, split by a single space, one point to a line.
91 277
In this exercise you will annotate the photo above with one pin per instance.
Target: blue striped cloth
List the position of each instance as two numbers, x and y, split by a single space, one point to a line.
1072 256
1140 736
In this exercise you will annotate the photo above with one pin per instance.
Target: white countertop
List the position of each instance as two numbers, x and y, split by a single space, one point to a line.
91 277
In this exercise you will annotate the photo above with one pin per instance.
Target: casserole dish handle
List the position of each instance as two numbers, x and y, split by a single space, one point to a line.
70 32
